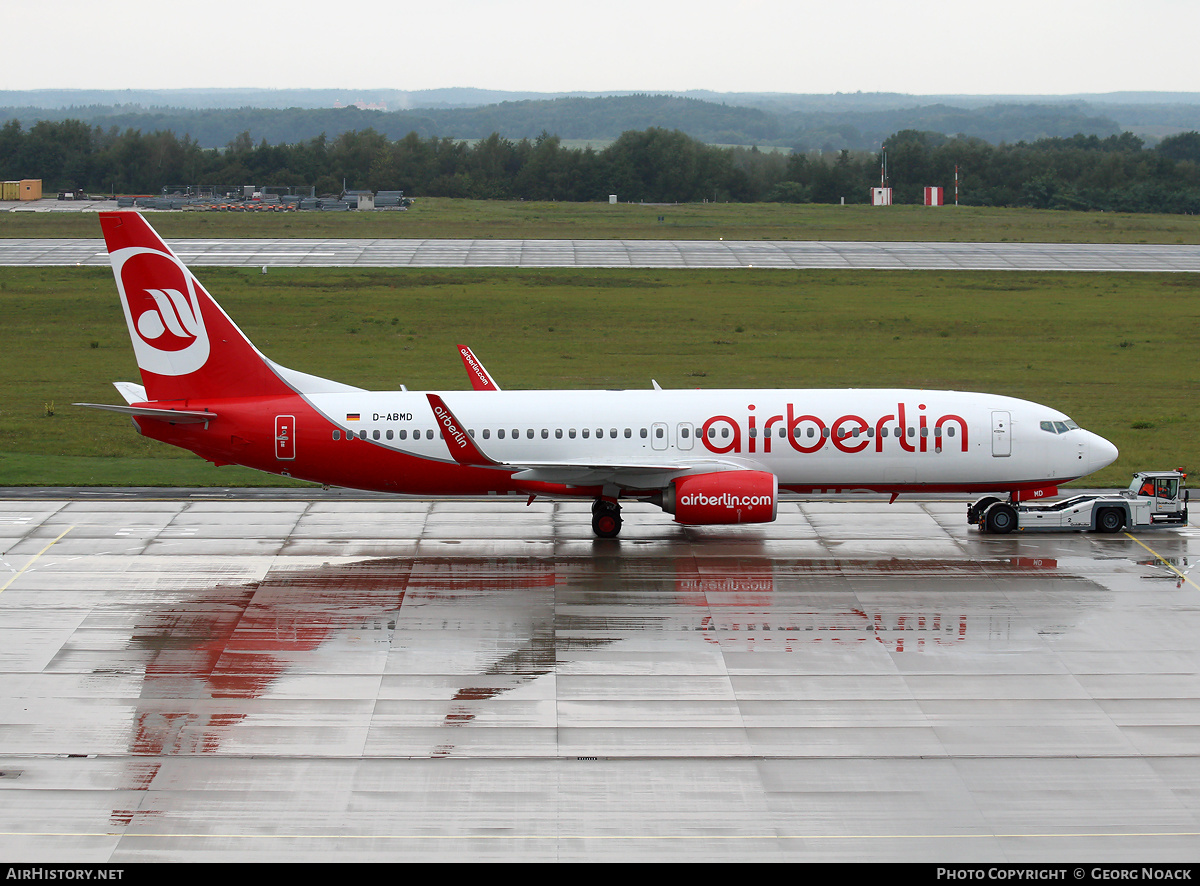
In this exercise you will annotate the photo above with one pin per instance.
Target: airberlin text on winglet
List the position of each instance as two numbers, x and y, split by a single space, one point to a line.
849 433
461 446
453 432
480 380
473 365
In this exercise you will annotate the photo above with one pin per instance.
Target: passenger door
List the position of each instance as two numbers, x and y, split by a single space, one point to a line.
1001 435
285 437
684 434
659 437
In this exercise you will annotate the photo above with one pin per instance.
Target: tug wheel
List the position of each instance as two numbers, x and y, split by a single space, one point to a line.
1001 519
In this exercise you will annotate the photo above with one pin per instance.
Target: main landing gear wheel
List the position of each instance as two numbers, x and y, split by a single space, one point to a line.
606 518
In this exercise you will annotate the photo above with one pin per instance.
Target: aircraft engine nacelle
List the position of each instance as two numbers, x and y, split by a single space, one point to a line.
723 497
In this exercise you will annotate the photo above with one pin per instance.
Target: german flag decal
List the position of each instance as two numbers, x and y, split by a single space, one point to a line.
352 416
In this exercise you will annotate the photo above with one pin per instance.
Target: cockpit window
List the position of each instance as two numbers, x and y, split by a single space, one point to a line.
1058 427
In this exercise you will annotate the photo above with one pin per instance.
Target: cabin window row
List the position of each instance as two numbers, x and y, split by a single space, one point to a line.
811 431
390 435
503 434
643 433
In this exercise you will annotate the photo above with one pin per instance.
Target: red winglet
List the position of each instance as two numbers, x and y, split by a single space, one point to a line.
461 446
480 380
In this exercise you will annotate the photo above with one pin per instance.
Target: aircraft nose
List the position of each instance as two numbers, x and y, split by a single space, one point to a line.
1101 453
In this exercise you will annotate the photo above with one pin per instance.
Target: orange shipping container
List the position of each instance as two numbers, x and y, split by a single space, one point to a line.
31 189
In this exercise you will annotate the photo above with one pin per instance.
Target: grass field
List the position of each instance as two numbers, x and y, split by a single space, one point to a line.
482 219
1114 351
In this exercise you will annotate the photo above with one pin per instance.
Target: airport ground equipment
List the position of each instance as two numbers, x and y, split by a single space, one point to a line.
1154 499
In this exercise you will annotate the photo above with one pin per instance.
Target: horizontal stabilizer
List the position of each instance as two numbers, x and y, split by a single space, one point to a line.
174 416
130 392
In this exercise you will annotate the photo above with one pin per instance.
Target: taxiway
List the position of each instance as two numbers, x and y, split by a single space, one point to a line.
308 677
778 254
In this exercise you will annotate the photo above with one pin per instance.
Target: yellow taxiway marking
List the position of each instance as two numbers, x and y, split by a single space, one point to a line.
21 571
1164 561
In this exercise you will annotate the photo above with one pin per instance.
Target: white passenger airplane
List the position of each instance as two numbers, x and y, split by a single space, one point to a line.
707 457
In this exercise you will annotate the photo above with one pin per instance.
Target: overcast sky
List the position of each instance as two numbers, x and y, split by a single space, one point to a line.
923 47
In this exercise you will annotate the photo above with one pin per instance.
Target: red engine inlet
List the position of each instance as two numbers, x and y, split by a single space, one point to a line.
724 497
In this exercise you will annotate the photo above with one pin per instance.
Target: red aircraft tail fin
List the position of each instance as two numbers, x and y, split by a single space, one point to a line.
186 346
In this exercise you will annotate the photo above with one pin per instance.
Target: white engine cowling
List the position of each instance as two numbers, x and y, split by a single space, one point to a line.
723 497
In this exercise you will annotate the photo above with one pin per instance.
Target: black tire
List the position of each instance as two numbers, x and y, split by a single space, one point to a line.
606 522
1001 519
975 510
1110 520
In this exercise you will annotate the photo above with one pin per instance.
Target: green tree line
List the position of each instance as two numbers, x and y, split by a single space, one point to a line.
656 165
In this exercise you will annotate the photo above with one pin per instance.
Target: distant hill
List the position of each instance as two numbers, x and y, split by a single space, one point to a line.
569 118
464 97
854 121
195 99
1008 123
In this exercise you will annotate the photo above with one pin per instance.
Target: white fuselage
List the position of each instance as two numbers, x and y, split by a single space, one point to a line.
807 438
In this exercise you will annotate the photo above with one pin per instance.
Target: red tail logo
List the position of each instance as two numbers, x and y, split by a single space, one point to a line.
185 344
162 310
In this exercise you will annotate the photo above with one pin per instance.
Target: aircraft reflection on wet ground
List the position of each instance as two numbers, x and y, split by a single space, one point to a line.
873 685
526 617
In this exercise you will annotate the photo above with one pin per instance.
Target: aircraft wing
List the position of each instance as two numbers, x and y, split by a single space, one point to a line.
631 476
648 474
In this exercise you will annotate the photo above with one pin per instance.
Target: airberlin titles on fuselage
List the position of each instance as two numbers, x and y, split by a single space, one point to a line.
808 433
